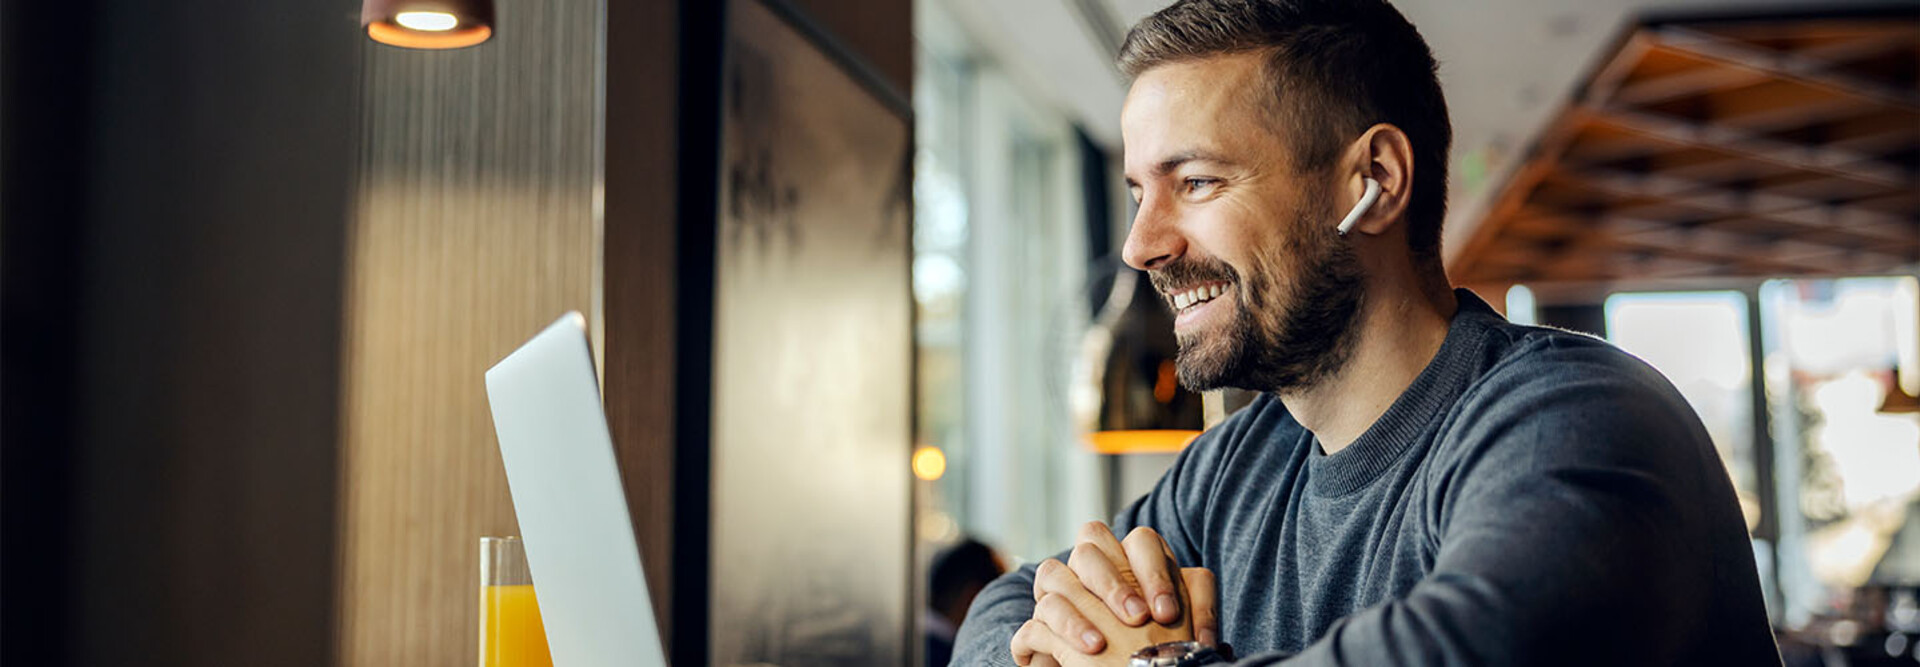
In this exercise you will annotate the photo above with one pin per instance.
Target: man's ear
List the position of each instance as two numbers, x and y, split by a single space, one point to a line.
1383 154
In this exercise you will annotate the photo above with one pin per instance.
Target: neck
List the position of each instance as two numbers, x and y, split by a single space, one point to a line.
1399 330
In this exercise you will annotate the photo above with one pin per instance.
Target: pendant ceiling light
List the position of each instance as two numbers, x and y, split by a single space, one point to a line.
428 24
1128 399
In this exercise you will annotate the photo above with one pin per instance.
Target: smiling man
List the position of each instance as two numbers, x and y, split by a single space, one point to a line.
1420 482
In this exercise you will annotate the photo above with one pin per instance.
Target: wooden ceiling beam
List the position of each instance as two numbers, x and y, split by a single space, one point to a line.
1879 133
1592 235
1684 84
1618 71
1786 66
1801 212
1870 39
1775 105
1720 75
1836 39
1749 252
1754 146
1649 249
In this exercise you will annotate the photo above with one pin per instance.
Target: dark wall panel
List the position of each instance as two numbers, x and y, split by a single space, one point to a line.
642 281
878 32
219 161
44 58
812 360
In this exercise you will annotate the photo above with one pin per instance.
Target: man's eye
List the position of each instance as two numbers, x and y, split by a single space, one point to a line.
1197 185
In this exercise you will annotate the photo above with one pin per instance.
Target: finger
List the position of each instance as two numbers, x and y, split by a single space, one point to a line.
1200 600
1066 622
1053 576
1101 537
1147 554
1043 660
1033 639
1102 577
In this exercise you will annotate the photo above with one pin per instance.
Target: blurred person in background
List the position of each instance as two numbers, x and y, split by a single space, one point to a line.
1420 482
957 575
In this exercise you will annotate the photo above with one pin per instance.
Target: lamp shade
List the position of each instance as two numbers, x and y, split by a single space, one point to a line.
428 24
1130 400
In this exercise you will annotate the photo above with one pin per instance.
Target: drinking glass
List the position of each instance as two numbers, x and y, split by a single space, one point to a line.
511 634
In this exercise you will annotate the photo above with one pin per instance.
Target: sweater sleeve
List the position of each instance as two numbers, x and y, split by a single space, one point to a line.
1572 513
1175 508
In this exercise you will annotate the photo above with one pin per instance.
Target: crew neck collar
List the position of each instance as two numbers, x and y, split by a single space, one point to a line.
1431 393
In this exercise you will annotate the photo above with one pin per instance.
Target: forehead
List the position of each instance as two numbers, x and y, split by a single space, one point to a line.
1213 105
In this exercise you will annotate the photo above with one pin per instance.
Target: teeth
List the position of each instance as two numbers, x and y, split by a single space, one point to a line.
1197 295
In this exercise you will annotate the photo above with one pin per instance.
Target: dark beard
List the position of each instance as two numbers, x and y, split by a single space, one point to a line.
1282 336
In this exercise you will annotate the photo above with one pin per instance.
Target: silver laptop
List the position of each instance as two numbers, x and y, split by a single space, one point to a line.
573 514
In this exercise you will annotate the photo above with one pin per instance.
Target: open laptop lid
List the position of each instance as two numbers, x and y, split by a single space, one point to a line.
573 514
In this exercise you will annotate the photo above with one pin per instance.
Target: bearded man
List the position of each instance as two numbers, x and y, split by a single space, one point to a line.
1419 482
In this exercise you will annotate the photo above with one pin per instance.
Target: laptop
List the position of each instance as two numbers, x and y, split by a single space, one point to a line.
573 513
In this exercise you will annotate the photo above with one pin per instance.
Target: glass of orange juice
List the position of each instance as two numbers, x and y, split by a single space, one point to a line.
511 634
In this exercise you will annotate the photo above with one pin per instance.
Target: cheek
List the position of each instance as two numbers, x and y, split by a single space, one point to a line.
1232 233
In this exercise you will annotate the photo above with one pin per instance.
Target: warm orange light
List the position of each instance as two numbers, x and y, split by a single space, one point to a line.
1166 382
929 463
395 35
428 24
1167 441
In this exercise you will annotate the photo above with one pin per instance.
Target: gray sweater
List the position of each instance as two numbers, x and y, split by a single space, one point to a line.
1536 497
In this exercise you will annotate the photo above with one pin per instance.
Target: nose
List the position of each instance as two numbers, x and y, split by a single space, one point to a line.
1154 239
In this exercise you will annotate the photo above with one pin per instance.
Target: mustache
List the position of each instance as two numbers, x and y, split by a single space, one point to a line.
1188 271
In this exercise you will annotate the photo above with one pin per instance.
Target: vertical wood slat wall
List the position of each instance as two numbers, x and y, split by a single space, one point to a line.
474 227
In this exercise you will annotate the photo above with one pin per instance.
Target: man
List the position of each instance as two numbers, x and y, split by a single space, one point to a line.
1420 482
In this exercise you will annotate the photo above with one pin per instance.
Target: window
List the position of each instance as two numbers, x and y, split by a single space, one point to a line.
1699 340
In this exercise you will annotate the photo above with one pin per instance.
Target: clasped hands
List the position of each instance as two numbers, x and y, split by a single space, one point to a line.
1112 598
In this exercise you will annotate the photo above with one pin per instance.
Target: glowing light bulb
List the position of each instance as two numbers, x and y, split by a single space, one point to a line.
427 21
929 463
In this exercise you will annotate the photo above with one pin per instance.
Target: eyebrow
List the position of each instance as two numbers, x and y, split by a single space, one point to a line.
1166 166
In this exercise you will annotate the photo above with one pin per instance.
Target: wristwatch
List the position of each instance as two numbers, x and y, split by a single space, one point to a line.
1179 654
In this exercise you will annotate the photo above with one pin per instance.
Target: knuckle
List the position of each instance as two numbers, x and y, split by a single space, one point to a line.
1092 530
1045 569
1059 615
1143 534
1022 645
1050 576
1083 555
1051 607
1025 637
1199 578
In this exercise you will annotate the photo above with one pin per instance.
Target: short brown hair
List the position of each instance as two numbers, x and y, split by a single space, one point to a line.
1337 67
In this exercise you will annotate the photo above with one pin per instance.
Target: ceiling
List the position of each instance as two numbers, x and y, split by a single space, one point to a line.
1781 143
1507 66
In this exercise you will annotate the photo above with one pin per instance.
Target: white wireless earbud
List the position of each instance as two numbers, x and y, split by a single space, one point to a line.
1360 208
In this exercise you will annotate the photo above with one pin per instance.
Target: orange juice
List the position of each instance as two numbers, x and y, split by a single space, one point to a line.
511 634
